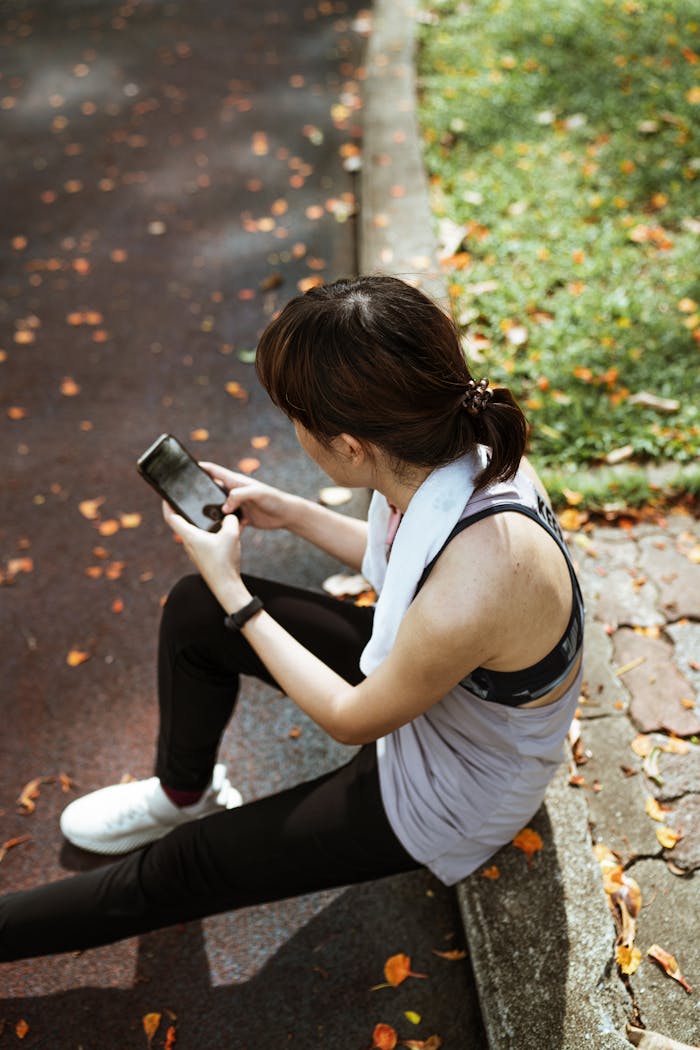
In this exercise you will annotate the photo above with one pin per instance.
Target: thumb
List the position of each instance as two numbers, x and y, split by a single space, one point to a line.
230 524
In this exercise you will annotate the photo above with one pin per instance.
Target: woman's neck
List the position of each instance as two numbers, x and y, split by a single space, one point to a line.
399 489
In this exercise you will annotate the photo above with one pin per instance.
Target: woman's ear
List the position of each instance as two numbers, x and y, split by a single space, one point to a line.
350 448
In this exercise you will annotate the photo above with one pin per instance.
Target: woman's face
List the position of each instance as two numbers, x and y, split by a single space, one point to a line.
331 460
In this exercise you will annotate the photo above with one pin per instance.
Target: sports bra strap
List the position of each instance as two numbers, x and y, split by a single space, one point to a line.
518 687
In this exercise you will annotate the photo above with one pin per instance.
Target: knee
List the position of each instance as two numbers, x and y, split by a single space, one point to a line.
190 606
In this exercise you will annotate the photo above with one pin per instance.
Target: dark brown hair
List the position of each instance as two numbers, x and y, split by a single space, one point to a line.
376 358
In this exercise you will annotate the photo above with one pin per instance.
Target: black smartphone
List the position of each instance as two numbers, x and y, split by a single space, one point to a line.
177 476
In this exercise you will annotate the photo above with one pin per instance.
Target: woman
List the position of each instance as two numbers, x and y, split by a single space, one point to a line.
459 686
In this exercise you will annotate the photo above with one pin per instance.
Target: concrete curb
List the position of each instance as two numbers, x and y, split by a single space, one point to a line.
541 940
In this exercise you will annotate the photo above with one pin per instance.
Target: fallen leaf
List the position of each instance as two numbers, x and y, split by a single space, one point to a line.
30 792
655 810
129 521
454 954
69 387
249 464
664 405
397 968
170 1038
412 1016
76 657
668 837
150 1025
261 441
433 1042
11 843
108 527
491 873
628 959
572 519
641 745
334 496
529 841
237 391
651 766
385 1037
90 508
199 435
343 585
21 1029
669 964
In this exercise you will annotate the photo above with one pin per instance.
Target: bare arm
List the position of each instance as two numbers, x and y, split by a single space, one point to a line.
265 507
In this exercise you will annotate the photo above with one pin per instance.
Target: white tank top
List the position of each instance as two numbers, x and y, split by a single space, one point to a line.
462 779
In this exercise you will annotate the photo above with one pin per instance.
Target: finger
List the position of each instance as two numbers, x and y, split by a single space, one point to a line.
229 477
176 522
230 525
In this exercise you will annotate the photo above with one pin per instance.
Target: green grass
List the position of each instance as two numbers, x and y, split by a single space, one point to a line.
563 136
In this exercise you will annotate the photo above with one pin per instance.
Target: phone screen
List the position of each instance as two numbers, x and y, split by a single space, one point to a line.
177 476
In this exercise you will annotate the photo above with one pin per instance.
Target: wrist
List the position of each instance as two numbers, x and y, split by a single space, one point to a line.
296 512
233 596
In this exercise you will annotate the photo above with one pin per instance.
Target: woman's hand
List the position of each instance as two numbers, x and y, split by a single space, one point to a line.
262 506
217 556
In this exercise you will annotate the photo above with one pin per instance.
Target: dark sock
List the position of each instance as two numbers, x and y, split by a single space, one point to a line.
182 798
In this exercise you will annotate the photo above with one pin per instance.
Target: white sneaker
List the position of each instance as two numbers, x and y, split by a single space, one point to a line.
123 817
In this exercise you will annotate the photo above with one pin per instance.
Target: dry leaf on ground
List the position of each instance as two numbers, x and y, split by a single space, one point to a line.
669 964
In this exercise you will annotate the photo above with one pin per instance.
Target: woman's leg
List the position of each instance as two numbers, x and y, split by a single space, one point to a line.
200 661
332 831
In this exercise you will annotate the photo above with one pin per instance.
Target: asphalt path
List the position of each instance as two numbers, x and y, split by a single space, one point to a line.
172 173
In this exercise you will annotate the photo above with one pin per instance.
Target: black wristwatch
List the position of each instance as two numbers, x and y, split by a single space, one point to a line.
235 620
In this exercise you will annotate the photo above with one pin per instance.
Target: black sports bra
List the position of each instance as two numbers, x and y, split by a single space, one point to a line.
514 688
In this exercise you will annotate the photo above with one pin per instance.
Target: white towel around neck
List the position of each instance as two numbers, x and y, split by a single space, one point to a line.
433 512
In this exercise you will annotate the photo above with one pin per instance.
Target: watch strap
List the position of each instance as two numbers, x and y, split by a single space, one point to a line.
235 620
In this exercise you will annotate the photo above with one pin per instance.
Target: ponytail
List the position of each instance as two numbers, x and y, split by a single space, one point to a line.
502 427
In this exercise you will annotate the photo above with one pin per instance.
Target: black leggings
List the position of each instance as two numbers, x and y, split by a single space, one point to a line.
331 831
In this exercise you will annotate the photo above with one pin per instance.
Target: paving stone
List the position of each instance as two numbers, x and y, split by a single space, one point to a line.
685 819
677 578
617 810
656 687
686 638
669 905
603 693
680 775
620 597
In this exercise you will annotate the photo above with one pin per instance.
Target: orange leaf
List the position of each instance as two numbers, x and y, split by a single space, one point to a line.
529 841
236 390
170 1038
11 843
109 527
453 955
21 1028
669 964
398 968
491 873
628 958
90 508
130 521
667 836
434 1042
30 792
248 464
262 441
69 387
199 435
385 1038
150 1025
76 657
